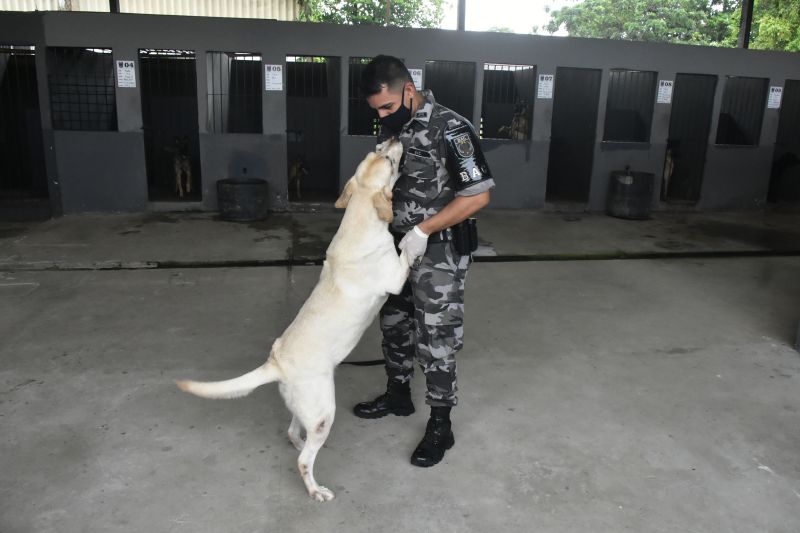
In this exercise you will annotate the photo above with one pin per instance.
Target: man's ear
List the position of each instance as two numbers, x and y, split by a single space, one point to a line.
383 206
344 199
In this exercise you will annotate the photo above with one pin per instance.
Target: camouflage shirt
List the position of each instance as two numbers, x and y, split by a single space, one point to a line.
425 185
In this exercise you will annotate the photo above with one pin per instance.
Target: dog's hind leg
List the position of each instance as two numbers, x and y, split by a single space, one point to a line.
178 185
188 178
313 405
316 435
295 434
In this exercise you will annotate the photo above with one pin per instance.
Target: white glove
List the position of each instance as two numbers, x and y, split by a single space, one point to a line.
413 245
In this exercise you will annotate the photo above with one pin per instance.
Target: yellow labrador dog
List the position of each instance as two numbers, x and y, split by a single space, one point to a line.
361 268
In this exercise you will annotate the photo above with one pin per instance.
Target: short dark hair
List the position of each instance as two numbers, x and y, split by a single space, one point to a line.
383 70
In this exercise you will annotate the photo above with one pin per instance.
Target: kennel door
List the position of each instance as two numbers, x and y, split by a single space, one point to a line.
687 141
784 185
572 138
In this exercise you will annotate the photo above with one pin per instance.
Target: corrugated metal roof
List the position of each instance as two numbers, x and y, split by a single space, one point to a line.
259 9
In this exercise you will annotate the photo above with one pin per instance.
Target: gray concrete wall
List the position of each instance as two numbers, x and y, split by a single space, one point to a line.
735 177
101 171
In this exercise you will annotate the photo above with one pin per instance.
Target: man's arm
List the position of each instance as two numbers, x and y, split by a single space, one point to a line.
414 243
461 208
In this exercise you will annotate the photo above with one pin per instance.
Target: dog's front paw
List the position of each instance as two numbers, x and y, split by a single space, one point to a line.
321 494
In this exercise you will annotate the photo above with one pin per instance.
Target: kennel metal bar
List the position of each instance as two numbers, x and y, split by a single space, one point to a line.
687 141
453 85
82 93
169 118
742 112
785 175
629 106
22 173
571 150
508 96
361 118
312 127
234 92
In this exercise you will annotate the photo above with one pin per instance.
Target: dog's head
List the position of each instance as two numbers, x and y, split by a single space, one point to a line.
375 176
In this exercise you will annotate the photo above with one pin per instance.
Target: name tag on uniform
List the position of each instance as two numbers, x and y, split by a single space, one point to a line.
419 153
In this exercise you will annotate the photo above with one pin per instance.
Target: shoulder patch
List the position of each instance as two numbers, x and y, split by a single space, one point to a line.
465 160
463 145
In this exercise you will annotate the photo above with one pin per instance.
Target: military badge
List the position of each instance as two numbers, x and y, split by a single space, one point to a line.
463 145
465 161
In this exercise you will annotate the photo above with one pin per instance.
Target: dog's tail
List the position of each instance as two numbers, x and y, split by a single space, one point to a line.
236 387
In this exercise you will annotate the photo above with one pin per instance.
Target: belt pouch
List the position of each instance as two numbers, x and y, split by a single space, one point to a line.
465 236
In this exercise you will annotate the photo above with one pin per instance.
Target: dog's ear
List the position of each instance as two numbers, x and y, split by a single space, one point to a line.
383 206
344 199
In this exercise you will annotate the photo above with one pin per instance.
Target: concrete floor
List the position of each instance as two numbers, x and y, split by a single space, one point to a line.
596 396
150 240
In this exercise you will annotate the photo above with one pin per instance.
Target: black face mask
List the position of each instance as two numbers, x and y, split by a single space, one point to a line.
395 121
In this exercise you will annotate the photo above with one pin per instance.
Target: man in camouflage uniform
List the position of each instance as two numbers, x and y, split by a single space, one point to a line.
444 180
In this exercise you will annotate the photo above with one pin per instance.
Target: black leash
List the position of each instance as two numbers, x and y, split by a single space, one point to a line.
374 362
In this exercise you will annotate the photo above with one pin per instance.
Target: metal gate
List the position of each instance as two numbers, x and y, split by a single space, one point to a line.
629 105
784 185
169 117
508 96
687 142
569 171
453 85
312 128
22 167
361 118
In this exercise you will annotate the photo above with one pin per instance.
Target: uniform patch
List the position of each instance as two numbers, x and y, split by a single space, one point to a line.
419 153
465 160
463 145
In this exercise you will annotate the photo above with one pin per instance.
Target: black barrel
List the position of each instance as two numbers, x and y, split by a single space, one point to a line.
630 194
242 199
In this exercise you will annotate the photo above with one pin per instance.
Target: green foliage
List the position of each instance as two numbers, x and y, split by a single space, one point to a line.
776 23
405 13
670 21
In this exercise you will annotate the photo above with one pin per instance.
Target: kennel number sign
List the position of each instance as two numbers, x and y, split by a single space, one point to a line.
126 74
545 86
775 94
416 75
664 91
273 77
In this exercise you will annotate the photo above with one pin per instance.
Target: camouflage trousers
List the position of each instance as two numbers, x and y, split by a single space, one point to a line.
425 322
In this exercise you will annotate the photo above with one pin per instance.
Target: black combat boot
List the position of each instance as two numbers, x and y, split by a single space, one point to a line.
437 440
395 401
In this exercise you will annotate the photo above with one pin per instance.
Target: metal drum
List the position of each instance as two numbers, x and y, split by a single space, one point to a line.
630 194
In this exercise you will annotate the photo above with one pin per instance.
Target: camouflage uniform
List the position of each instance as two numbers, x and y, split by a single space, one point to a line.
426 320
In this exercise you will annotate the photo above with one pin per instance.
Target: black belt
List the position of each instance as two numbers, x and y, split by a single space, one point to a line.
439 236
